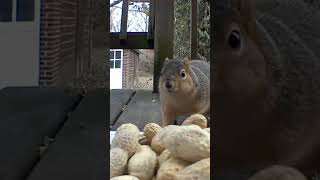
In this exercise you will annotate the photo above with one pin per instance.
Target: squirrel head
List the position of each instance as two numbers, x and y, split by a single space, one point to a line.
239 73
175 76
238 65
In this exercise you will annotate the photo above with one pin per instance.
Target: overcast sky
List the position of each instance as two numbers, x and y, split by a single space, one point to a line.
136 20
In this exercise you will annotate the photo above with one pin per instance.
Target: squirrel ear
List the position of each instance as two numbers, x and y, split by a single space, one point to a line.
247 10
187 61
166 60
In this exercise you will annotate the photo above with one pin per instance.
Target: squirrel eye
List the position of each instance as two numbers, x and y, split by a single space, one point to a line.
183 74
234 39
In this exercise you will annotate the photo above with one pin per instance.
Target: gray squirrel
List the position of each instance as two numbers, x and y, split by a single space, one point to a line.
266 83
184 88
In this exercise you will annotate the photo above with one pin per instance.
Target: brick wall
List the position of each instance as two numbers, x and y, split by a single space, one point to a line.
62 35
84 36
130 59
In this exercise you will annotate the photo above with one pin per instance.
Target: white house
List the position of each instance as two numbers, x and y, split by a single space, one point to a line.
43 42
123 68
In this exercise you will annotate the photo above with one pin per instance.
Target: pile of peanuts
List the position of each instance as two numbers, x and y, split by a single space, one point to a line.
170 153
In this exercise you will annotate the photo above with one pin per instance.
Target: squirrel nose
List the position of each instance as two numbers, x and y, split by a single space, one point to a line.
168 85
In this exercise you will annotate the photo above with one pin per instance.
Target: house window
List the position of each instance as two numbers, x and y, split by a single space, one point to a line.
5 10
115 59
25 10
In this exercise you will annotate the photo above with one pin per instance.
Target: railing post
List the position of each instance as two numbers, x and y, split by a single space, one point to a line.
163 43
194 29
124 20
151 20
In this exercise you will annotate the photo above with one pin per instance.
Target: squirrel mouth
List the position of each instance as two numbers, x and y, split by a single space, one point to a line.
170 90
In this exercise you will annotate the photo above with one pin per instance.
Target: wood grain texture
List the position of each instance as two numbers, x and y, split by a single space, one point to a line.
143 108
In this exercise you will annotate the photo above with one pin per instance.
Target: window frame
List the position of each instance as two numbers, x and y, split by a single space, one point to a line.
114 59
24 18
10 19
14 13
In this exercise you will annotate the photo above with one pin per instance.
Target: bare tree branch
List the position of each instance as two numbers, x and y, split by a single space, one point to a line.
115 3
135 1
140 1
138 11
145 11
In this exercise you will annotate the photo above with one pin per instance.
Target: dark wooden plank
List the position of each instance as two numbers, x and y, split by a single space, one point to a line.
164 19
244 174
27 117
151 20
80 149
135 40
124 20
194 29
143 108
118 99
231 174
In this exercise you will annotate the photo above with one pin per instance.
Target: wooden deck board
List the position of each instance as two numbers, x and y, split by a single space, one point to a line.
80 150
27 116
118 98
143 108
